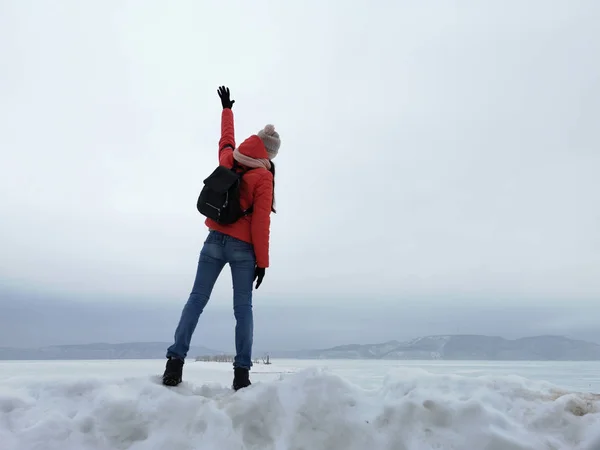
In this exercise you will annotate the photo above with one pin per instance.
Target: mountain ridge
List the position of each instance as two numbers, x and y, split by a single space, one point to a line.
433 347
461 347
98 350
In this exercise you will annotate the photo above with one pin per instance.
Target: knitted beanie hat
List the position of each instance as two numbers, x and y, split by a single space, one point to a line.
270 138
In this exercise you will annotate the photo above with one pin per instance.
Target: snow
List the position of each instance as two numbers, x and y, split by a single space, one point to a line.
121 405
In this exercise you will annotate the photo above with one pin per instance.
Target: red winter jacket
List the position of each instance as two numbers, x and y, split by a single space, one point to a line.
256 189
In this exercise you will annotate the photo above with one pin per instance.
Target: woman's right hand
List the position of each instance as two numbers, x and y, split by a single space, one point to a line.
225 97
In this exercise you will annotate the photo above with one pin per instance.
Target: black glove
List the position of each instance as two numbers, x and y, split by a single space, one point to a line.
259 273
225 100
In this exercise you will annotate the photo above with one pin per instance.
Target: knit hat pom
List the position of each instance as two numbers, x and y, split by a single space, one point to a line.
269 130
271 139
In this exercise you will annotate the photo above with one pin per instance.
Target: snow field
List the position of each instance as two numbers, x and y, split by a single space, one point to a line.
312 408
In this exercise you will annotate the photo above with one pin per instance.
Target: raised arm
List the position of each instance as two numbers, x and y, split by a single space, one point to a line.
227 141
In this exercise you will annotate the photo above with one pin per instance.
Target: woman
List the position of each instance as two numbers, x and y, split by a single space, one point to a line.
244 245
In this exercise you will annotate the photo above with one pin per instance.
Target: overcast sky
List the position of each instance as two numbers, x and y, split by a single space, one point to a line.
438 170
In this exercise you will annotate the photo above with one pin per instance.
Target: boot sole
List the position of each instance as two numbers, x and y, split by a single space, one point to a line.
171 381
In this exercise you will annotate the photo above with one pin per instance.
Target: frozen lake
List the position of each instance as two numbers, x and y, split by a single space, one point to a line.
581 376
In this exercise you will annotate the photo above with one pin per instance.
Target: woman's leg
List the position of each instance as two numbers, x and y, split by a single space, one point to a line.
242 261
210 264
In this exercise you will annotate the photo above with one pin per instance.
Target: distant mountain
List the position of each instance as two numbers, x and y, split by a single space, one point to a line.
447 347
461 347
350 351
130 350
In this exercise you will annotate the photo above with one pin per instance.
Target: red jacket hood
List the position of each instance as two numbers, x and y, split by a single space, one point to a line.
254 148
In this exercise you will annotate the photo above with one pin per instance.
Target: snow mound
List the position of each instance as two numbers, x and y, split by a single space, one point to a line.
311 409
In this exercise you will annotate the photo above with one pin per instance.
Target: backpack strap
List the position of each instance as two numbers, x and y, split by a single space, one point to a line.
235 166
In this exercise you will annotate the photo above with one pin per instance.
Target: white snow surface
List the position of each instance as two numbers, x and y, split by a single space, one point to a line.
47 407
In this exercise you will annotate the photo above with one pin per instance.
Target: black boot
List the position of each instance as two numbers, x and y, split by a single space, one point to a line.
241 378
173 372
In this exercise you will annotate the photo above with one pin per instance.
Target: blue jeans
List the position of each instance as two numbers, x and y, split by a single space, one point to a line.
218 250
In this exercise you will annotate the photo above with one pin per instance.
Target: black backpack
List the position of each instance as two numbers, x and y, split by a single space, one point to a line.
219 199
